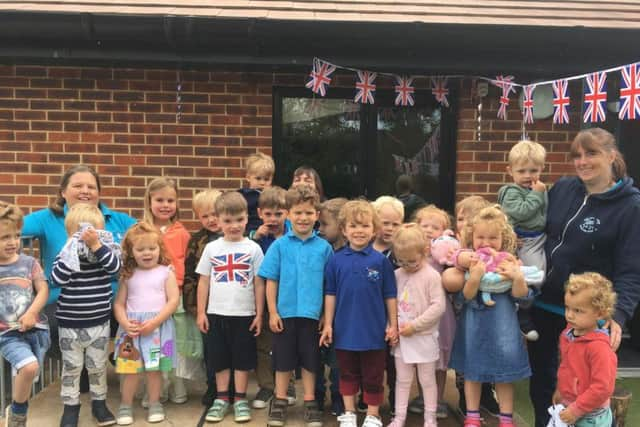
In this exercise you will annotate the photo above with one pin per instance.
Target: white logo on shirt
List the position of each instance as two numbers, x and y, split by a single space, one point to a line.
590 224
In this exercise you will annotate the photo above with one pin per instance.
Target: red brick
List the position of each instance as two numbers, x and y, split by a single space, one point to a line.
14 167
128 96
128 117
145 149
104 159
160 118
177 129
14 82
30 136
63 115
48 83
30 115
111 106
12 125
225 99
31 201
45 105
80 148
67 72
31 93
64 158
47 147
98 95
96 137
208 108
177 150
112 127
193 161
192 140
129 139
160 139
79 105
17 146
209 130
95 117
162 160
224 120
79 127
113 84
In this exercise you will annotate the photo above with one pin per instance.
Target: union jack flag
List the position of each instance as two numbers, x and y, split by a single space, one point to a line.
560 101
365 87
504 82
527 104
595 98
232 268
630 93
320 76
405 91
439 90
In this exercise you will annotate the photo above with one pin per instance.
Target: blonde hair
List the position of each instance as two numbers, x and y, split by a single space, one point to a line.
204 199
409 237
158 184
433 210
390 201
136 231
300 194
231 203
82 212
358 211
603 298
273 198
495 216
471 205
333 206
525 151
260 162
11 213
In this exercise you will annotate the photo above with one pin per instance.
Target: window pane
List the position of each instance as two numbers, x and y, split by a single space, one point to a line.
409 144
324 134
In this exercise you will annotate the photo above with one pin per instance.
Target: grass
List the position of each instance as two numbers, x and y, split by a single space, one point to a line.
525 410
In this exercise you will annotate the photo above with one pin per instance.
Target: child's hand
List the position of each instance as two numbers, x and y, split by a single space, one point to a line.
256 325
539 186
407 329
90 237
203 323
391 335
261 232
510 269
275 323
326 337
27 321
477 268
568 417
148 326
132 327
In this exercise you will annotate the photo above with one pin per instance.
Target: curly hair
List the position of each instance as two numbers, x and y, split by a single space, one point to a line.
492 215
603 298
409 237
137 231
358 210
11 213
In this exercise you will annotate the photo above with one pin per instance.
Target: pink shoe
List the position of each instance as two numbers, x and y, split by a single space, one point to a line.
472 422
396 423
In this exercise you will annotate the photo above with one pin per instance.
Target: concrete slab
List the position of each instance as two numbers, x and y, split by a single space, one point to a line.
46 408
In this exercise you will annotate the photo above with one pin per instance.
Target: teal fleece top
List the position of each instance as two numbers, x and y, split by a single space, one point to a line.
48 228
526 209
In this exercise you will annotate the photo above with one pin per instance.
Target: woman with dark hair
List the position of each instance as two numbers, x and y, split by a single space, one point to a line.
309 176
593 224
79 184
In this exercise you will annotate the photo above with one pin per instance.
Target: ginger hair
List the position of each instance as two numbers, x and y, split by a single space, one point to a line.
137 231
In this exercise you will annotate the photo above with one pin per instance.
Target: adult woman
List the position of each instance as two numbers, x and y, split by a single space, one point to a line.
79 184
592 225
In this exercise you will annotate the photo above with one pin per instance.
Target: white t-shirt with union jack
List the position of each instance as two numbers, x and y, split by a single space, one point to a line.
231 267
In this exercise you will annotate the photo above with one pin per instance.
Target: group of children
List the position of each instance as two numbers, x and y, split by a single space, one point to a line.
279 280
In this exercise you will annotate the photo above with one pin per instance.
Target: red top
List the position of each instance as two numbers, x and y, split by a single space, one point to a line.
587 372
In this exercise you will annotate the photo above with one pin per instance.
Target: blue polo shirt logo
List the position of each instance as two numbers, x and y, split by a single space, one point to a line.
590 224
373 275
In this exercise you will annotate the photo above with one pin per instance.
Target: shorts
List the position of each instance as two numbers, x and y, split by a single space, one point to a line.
297 345
230 343
23 348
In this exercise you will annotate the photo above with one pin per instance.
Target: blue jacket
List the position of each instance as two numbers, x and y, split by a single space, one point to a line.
598 232
48 228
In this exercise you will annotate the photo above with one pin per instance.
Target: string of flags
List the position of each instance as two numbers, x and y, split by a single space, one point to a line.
595 92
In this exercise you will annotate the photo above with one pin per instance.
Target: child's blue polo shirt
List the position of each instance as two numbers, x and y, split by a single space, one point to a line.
298 267
361 281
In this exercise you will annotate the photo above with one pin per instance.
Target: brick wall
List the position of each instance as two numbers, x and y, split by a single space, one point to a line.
123 121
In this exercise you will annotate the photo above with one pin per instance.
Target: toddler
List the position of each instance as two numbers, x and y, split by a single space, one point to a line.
260 171
587 372
83 270
24 332
145 341
421 303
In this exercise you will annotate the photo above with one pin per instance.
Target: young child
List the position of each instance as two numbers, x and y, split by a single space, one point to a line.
433 222
587 372
230 306
272 209
145 342
525 203
83 270
24 332
360 312
294 270
260 171
421 303
204 208
330 230
161 210
390 211
308 176
488 346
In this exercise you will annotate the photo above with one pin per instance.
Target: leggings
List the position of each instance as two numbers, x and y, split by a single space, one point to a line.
427 377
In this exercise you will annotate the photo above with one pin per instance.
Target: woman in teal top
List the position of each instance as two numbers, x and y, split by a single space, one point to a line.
79 184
